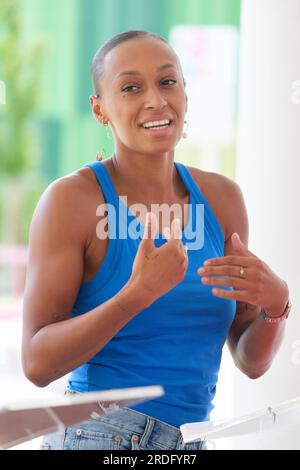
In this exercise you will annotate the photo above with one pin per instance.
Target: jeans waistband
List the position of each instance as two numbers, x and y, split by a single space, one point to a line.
146 427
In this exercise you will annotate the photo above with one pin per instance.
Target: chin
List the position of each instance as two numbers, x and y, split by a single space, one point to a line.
160 151
160 147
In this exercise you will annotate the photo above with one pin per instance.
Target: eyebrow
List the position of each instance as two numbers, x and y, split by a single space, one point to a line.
136 72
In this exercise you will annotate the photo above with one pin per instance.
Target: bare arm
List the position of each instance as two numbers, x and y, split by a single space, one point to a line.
253 342
53 344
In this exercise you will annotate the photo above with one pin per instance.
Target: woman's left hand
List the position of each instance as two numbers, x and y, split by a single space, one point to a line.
256 284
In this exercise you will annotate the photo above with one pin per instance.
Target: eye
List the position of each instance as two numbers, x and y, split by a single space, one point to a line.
169 81
129 88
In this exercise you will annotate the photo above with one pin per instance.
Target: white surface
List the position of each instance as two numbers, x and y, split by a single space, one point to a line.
134 393
282 415
23 421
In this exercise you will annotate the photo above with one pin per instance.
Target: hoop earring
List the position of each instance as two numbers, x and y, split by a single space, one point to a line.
184 133
101 155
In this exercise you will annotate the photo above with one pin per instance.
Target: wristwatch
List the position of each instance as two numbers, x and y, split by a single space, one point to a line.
283 316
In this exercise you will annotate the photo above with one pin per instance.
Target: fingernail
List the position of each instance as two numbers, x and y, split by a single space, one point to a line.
207 262
201 270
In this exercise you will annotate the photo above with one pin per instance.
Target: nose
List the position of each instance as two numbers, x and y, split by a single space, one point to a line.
154 99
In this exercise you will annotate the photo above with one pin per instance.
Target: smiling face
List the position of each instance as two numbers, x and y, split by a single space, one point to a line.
143 96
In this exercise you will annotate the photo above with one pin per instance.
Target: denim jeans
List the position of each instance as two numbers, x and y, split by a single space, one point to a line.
121 429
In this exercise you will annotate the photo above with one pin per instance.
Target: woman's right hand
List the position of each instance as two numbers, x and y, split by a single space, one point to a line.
155 271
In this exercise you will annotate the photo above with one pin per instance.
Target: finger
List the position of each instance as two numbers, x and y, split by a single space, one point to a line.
230 260
234 282
167 233
240 295
240 247
150 227
183 251
176 232
183 256
228 270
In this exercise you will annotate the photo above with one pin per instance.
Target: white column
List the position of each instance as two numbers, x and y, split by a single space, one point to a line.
268 172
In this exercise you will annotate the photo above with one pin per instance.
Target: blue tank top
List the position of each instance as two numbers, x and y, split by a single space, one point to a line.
177 341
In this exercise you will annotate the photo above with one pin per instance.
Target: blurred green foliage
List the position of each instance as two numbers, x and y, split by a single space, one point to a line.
20 68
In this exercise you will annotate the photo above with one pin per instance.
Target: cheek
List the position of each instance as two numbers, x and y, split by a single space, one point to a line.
123 128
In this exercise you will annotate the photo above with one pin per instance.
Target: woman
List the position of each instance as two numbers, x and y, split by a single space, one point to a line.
124 311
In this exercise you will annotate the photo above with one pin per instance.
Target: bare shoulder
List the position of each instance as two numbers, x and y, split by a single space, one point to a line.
223 195
67 201
76 187
212 182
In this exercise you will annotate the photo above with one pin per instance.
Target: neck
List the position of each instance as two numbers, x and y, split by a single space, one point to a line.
153 176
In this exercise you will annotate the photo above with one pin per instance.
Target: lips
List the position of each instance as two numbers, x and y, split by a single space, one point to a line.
158 132
157 124
156 121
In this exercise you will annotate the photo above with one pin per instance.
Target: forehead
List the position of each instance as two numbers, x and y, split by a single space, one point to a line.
141 54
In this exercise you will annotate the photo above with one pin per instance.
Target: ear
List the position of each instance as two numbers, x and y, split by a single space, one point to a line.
97 108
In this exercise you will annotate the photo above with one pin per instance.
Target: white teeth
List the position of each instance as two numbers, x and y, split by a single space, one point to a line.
156 123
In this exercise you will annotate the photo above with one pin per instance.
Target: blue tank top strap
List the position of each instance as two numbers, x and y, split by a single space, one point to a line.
199 198
105 182
115 246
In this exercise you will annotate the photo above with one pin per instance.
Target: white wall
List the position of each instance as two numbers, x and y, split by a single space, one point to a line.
268 172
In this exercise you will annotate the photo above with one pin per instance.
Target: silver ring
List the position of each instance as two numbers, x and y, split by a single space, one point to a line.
242 271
